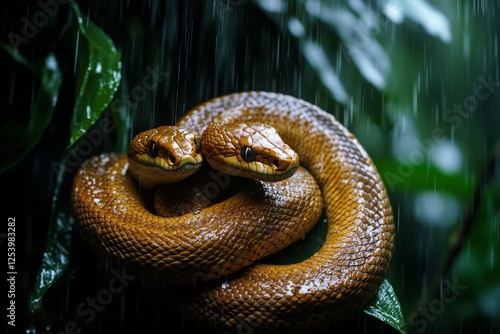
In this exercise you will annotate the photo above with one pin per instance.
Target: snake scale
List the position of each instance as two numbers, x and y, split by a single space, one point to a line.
332 285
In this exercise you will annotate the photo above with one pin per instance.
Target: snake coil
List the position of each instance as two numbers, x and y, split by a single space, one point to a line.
333 284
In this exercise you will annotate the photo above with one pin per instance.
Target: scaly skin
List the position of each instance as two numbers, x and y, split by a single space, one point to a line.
335 283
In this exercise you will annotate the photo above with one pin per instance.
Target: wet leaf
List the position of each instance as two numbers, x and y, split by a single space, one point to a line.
21 133
357 31
319 61
358 26
432 20
57 248
98 74
385 307
301 25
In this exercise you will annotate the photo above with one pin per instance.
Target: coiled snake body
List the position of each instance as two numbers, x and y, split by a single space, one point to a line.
334 283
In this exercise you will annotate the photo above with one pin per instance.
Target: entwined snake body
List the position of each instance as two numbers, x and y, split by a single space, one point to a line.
331 285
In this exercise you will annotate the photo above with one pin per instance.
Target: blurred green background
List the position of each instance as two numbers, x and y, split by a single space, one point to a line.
416 82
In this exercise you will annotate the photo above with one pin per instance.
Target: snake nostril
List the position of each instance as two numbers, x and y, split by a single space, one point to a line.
172 159
276 163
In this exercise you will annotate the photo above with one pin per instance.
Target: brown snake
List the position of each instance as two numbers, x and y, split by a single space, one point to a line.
333 284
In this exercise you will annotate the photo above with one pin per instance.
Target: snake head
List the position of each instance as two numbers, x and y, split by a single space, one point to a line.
248 149
162 155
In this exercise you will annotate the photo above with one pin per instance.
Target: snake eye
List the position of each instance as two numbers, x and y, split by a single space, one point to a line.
198 145
248 154
153 149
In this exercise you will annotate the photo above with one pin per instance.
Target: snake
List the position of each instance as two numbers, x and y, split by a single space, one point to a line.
330 286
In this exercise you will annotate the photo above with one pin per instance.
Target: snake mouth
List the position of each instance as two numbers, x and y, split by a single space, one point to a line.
154 171
279 176
190 166
256 171
187 163
173 169
287 173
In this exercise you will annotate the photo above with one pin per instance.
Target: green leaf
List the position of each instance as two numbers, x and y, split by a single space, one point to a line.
385 307
318 60
57 249
358 26
21 134
355 26
98 74
432 20
301 25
